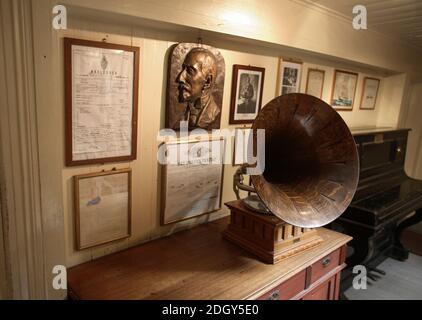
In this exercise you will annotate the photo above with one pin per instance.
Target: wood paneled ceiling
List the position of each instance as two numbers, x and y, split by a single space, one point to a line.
398 18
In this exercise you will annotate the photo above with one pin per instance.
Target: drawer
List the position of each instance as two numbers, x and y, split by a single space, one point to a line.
325 291
324 265
288 289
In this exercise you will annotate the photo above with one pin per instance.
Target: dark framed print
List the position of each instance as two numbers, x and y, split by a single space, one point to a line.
289 77
101 90
315 82
369 93
192 182
344 90
102 207
246 95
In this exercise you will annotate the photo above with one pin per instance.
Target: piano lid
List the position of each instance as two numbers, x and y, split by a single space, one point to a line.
372 129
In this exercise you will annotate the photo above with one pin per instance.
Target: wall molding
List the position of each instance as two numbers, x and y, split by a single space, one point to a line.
25 218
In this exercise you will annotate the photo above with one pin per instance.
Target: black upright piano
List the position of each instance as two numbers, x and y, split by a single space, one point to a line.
386 202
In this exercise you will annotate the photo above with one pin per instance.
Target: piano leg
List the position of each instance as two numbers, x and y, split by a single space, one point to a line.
381 272
399 252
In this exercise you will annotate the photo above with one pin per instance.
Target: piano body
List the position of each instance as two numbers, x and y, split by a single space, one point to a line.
386 201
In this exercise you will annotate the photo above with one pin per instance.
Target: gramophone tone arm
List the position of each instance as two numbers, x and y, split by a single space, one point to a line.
238 182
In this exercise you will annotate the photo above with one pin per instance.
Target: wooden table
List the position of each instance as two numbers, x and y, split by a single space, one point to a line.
199 264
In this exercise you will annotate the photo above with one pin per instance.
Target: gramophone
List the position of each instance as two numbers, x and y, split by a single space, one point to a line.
310 176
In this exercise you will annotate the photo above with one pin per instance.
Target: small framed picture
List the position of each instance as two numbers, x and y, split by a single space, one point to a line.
241 140
246 96
344 90
315 82
369 93
102 207
192 178
289 77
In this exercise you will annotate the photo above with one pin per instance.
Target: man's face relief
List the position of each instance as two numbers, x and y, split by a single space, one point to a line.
192 80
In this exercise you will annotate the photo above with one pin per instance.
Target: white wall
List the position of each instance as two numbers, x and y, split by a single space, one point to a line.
154 47
414 121
291 23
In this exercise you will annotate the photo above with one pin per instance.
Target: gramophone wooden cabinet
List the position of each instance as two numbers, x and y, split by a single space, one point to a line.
200 264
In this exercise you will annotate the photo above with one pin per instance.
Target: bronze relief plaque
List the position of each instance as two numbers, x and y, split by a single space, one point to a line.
195 83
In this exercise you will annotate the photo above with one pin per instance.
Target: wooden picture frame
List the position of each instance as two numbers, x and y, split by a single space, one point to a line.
106 75
289 76
367 95
102 196
181 182
246 94
310 84
342 103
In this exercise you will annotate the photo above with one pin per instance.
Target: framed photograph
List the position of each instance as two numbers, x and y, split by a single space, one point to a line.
192 179
241 139
344 90
246 96
101 89
289 77
102 207
369 93
315 82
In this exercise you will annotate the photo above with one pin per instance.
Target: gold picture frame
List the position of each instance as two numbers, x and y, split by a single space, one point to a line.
369 96
312 83
102 203
344 90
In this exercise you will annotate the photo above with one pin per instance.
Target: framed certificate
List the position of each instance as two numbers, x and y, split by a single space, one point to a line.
101 89
241 141
315 82
102 207
369 93
192 184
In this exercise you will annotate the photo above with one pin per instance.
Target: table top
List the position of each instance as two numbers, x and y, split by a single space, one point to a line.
193 264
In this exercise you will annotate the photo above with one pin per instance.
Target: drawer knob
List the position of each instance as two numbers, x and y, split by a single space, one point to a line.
326 262
275 295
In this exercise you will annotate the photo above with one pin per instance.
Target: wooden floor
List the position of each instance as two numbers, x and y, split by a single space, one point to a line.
403 281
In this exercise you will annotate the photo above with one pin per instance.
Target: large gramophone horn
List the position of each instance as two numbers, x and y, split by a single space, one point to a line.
311 161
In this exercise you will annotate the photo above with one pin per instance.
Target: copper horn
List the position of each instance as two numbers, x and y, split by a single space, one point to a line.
311 162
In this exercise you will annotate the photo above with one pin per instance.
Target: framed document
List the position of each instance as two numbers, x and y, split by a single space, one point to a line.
101 88
192 183
344 89
241 140
369 93
246 96
289 76
102 207
315 82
